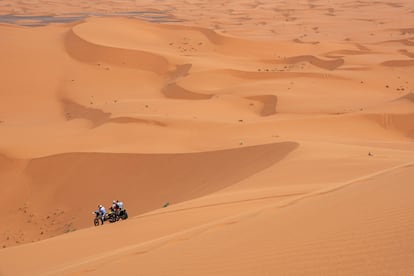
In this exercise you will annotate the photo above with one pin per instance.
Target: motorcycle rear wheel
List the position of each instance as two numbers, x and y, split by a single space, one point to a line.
124 215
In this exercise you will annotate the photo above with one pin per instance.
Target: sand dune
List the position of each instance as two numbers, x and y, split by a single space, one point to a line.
407 53
401 122
53 180
269 104
87 51
98 117
398 63
321 63
76 111
174 91
406 42
408 97
245 138
271 235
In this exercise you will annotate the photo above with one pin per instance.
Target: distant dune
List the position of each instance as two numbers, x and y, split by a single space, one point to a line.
244 137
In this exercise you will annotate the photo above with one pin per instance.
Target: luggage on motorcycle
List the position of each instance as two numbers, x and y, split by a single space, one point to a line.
123 214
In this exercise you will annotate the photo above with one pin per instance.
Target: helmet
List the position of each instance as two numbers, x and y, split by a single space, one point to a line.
100 206
114 201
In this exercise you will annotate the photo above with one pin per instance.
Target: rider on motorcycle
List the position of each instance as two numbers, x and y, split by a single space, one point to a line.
120 205
115 208
101 212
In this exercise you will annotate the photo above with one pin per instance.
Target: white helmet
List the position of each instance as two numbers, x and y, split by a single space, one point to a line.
100 206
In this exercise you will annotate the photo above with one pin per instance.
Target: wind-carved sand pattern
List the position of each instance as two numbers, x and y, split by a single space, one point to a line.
181 71
318 62
269 103
409 97
406 53
285 125
398 63
346 52
174 91
97 117
77 47
406 42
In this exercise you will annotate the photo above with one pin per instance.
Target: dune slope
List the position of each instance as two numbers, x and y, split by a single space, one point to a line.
244 137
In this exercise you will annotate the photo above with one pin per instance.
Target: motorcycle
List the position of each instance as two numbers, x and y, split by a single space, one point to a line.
111 216
123 214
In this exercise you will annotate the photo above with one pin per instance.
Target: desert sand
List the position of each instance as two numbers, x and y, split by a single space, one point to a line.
280 133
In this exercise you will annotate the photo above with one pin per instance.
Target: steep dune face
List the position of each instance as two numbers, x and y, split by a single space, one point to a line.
318 62
320 235
89 52
173 91
135 177
269 104
400 122
398 63
288 236
14 182
30 74
74 183
282 141
74 111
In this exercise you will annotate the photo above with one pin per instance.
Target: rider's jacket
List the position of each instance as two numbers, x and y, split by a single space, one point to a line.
102 210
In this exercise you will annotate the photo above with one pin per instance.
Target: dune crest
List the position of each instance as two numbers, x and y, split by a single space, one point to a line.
83 50
331 64
133 177
244 137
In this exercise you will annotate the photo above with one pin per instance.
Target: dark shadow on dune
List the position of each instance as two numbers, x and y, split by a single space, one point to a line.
402 123
130 120
398 63
146 181
407 31
318 62
394 5
345 52
407 97
406 53
268 75
269 104
297 40
74 110
6 163
362 47
85 51
174 91
180 71
97 117
406 42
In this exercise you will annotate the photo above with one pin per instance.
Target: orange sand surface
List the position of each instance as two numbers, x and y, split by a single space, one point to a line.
280 133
